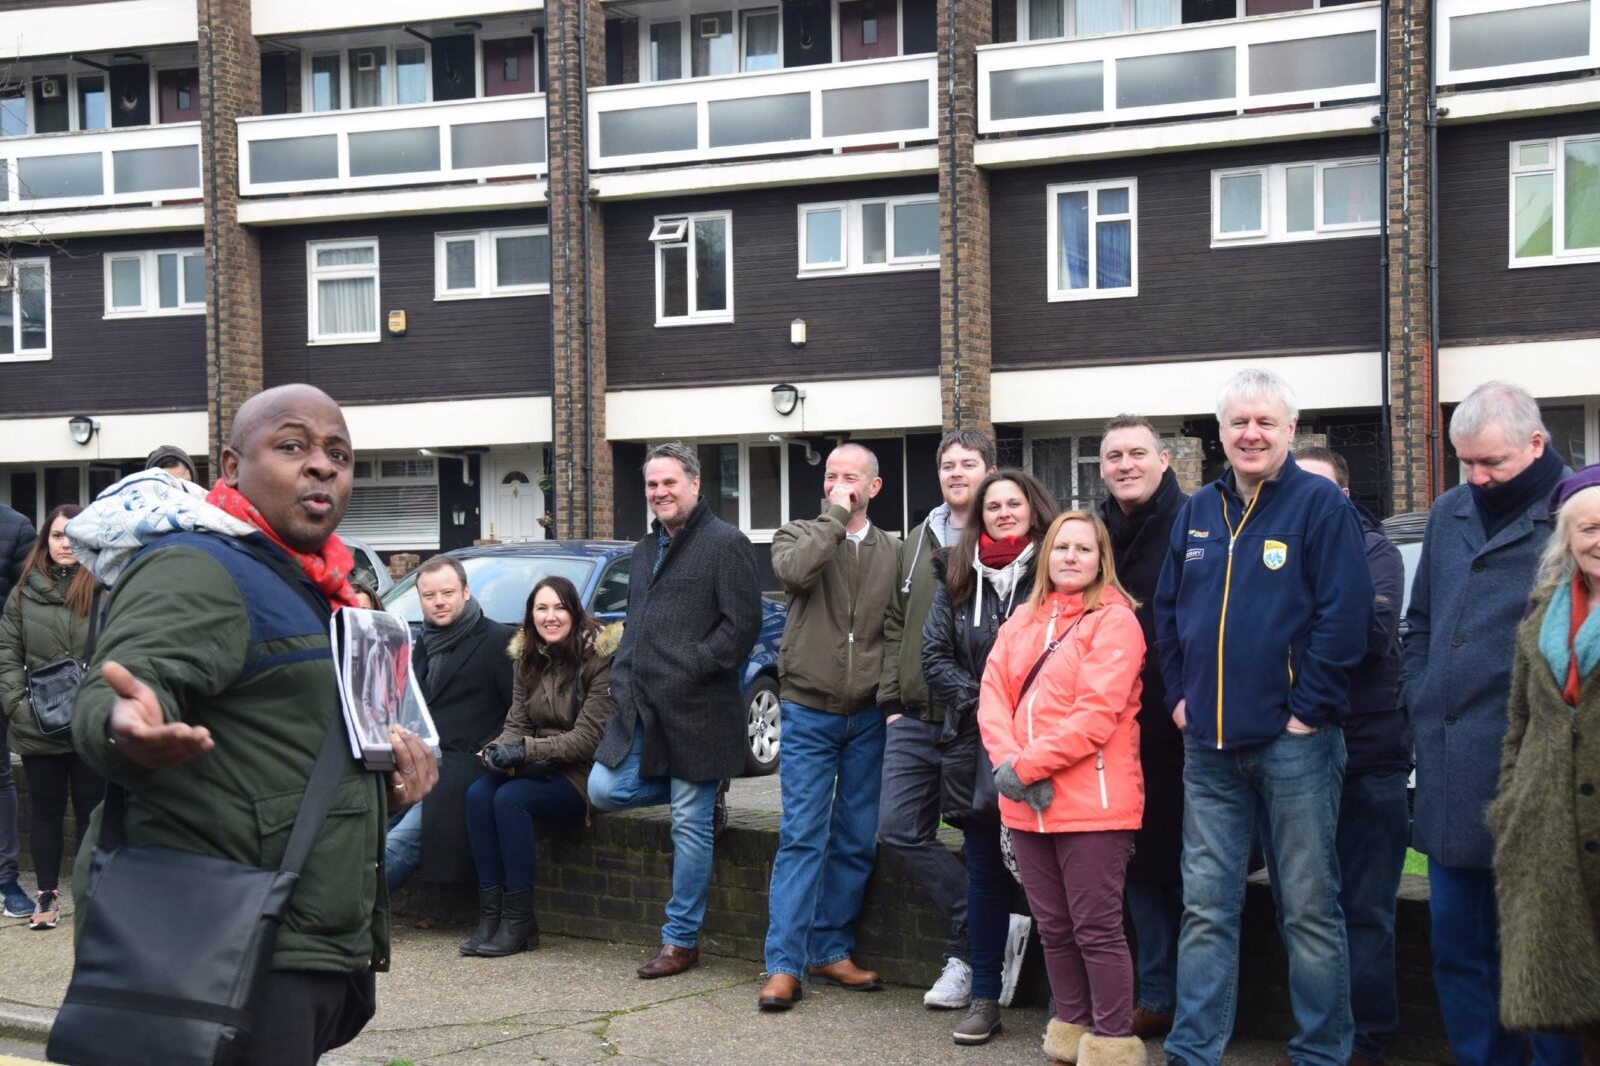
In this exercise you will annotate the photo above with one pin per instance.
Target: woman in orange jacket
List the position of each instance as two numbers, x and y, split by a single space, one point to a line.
1057 709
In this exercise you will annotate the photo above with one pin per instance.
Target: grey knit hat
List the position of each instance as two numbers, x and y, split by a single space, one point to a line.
167 455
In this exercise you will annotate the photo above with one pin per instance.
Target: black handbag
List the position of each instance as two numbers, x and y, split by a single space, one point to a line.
53 687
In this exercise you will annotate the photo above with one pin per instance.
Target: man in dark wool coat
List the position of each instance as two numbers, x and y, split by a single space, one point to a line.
694 611
1143 500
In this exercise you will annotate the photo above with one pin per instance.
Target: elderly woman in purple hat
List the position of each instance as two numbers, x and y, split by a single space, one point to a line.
1546 817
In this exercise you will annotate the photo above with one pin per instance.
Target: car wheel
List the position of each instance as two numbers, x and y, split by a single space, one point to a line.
762 726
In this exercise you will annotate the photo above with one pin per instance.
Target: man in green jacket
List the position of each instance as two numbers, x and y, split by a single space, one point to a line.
212 687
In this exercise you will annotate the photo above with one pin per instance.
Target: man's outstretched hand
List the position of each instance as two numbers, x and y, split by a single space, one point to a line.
140 730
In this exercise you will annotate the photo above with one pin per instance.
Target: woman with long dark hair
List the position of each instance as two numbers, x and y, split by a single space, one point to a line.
539 765
983 577
47 618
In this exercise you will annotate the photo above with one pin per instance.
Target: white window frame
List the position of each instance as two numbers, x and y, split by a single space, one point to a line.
1054 291
487 263
1560 255
741 17
391 85
1275 204
315 274
764 534
150 284
1088 488
664 227
376 479
31 355
689 27
851 244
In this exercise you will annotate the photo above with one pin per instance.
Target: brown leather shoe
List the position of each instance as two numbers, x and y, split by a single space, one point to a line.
780 993
669 961
1150 1024
846 974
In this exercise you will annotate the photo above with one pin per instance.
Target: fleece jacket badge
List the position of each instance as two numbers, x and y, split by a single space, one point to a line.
1274 553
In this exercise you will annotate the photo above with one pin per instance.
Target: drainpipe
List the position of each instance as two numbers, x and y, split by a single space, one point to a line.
1435 437
955 229
588 273
1384 361
213 324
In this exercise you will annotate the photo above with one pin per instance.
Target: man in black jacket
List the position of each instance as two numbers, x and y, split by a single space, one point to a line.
678 729
16 541
465 675
1143 501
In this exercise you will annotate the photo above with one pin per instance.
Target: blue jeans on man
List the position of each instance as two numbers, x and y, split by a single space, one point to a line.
691 802
1157 915
830 777
402 849
1297 781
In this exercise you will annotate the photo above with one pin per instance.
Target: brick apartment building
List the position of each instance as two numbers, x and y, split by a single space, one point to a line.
520 243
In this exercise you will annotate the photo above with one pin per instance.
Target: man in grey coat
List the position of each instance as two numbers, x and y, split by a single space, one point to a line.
1479 555
694 611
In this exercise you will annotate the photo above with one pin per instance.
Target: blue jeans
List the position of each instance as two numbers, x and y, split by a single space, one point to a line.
1466 974
988 905
9 842
500 815
1297 781
402 851
1156 912
830 777
692 802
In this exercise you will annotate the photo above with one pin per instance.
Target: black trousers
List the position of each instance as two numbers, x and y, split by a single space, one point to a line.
50 779
303 1015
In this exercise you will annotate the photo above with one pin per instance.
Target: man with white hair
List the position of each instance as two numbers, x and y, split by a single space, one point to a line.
1479 556
1261 612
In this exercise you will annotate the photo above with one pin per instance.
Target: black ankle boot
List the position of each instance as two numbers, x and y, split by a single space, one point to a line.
519 930
488 919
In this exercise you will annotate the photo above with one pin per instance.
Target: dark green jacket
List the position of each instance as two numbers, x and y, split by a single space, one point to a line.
903 689
226 643
33 633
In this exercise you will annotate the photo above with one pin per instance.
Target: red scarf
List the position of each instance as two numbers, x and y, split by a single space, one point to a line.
1580 614
329 569
999 554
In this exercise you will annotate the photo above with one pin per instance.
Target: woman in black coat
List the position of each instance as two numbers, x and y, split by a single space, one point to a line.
988 573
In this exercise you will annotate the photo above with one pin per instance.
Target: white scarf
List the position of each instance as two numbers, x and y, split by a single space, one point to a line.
1004 581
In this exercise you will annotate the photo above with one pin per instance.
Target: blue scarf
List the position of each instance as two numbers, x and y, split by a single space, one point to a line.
1555 630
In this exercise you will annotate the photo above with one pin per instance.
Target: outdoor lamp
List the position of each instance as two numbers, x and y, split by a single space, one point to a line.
82 428
797 333
785 398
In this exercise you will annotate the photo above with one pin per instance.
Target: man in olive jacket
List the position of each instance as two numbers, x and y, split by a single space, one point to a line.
678 728
839 570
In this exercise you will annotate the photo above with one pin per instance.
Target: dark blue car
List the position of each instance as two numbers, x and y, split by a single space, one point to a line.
501 576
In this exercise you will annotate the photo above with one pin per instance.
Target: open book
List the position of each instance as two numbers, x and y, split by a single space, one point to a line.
372 658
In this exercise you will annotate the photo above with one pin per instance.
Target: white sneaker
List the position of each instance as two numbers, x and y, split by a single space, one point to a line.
1016 948
953 989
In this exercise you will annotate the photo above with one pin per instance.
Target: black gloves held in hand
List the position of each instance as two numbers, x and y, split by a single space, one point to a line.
504 757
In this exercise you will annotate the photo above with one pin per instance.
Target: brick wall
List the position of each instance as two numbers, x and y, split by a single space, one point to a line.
1188 459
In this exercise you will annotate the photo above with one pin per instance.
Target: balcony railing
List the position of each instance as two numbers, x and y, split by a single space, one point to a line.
1310 57
803 109
457 140
101 168
1493 40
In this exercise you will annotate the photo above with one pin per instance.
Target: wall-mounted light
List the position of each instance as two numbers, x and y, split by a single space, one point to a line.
785 398
459 516
82 428
797 333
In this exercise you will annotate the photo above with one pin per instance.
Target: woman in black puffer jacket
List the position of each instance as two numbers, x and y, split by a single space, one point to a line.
46 617
982 578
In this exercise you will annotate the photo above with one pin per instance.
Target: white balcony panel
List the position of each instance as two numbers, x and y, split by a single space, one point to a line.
1495 40
121 26
1306 57
458 140
101 168
278 17
804 109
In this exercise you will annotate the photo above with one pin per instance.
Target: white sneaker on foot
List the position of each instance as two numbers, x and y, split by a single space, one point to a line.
953 989
1016 948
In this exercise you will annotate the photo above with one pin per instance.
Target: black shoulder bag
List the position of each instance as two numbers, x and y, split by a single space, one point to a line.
53 686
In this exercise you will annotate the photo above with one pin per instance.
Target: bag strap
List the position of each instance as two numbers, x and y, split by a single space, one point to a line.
1049 650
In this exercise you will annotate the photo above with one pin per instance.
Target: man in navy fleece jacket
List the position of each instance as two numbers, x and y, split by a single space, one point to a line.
1261 613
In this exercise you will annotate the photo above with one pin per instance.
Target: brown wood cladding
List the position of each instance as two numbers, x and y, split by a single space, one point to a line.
105 367
452 348
1194 301
1481 299
857 326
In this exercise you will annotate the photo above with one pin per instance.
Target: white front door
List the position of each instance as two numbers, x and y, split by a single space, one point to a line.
517 502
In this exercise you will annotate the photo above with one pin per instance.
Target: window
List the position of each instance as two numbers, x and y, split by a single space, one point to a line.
1094 240
156 283
1069 467
761 32
1295 202
1555 201
343 291
1043 19
376 75
500 262
694 268
747 485
394 503
666 51
25 310
852 236
711 43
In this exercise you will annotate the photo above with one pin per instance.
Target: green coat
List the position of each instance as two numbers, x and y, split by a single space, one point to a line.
33 633
902 681
1547 845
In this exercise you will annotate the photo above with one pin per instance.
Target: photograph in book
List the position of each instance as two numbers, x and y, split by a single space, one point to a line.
376 686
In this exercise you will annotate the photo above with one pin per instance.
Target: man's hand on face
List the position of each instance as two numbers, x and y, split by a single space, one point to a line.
842 495
140 730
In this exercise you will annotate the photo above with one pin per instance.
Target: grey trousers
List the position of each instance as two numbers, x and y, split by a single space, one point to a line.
8 814
908 822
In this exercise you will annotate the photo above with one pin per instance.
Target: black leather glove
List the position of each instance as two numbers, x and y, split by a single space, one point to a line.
505 757
1040 794
1009 784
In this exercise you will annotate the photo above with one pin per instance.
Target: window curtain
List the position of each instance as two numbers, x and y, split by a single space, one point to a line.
33 306
1045 19
1149 14
1582 194
1072 218
1114 255
761 41
1099 16
346 306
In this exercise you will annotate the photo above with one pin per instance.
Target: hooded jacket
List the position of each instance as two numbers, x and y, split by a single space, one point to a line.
903 688
1077 723
36 627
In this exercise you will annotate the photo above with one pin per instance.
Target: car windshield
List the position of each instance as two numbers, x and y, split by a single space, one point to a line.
500 584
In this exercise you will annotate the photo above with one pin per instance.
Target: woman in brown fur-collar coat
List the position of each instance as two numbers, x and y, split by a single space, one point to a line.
1546 816
538 767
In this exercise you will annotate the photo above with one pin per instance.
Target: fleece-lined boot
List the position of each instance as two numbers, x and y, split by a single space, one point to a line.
1111 1051
1061 1040
488 919
519 930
